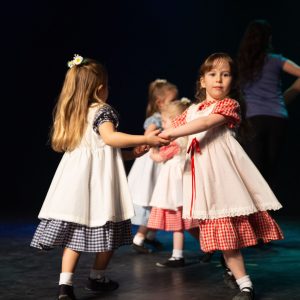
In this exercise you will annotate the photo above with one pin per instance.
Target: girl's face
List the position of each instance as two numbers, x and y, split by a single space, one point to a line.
217 81
166 120
165 99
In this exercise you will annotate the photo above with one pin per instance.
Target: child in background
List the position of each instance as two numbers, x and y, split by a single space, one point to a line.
222 188
167 197
260 75
88 205
144 171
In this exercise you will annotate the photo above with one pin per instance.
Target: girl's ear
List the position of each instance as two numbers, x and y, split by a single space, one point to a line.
159 102
102 92
202 83
99 88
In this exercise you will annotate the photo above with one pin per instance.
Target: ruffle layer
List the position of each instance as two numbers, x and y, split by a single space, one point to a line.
238 232
170 220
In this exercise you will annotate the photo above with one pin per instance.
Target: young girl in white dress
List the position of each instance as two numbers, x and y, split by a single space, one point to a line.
222 188
88 205
167 197
144 171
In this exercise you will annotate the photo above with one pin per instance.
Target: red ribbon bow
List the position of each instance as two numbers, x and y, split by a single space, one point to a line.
194 147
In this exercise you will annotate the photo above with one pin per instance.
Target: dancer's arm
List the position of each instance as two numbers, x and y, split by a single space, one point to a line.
135 152
292 92
195 126
118 139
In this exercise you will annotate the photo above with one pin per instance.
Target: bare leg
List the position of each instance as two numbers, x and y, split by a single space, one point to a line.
178 240
69 260
97 281
68 265
142 231
235 262
176 260
102 260
139 240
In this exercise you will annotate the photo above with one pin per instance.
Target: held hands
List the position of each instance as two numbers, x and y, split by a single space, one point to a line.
167 134
140 150
154 140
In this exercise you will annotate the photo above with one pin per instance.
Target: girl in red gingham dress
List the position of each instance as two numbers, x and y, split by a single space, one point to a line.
221 186
167 197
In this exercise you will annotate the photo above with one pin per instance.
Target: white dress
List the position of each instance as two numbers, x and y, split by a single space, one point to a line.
90 185
168 193
144 172
227 183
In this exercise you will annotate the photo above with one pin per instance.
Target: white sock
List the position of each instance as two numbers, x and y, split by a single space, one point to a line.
66 278
244 282
177 253
97 274
138 239
151 235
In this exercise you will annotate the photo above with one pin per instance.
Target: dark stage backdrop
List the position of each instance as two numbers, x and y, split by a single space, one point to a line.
138 41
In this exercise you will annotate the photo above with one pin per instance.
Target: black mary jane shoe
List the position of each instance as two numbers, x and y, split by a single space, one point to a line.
246 293
65 292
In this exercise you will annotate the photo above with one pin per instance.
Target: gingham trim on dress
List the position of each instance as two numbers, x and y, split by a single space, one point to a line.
170 220
228 108
238 232
180 120
57 233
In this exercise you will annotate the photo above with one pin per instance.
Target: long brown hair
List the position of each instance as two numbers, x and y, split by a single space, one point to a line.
253 49
156 89
80 89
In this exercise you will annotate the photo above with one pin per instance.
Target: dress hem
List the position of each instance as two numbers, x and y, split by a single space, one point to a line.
231 213
82 223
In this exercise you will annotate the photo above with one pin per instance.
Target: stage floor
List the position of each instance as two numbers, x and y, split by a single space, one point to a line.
27 273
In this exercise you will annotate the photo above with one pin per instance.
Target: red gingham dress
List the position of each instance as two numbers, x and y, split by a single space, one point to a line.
229 233
170 220
164 215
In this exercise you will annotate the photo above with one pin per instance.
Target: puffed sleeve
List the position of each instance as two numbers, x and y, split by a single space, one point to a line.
230 109
154 119
105 114
180 120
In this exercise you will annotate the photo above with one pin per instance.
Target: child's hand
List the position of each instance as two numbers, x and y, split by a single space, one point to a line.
154 140
166 134
140 150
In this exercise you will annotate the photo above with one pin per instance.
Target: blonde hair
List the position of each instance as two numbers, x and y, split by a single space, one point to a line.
177 107
80 89
156 89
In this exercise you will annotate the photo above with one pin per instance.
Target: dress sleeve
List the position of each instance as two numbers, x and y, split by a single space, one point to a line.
167 152
154 119
230 109
105 114
180 120
280 60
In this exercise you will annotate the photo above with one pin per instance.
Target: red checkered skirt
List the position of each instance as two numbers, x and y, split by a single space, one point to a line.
170 220
238 232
